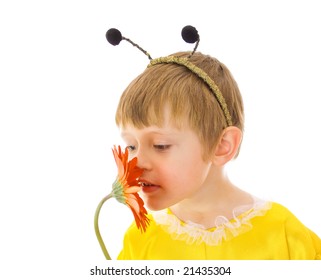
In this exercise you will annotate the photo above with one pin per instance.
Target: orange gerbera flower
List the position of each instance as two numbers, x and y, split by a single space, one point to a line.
125 189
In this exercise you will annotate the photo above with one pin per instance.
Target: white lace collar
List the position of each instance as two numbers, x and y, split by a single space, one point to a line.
225 229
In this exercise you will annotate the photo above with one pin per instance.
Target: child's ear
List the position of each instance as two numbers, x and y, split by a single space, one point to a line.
227 146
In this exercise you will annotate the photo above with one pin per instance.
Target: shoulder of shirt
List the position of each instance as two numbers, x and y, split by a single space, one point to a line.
281 213
280 210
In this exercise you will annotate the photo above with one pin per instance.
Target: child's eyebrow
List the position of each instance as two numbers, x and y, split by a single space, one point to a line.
161 133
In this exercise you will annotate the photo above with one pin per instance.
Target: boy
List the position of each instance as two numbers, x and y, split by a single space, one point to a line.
183 119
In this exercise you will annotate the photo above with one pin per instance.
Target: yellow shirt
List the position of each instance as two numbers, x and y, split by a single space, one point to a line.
275 234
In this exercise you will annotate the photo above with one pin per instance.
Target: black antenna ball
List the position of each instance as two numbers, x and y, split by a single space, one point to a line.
114 36
190 34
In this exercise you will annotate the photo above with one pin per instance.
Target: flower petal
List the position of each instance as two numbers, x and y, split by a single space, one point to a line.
126 186
132 189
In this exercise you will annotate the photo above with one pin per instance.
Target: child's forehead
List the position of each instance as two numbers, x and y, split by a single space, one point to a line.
164 130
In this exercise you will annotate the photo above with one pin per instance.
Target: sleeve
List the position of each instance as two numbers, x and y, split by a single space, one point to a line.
303 244
121 255
317 244
135 242
125 253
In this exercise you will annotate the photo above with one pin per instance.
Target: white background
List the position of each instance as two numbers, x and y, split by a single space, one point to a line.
61 81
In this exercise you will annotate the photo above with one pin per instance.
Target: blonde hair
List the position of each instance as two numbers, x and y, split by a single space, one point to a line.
189 99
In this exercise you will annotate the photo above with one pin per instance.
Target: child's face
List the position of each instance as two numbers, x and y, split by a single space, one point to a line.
172 159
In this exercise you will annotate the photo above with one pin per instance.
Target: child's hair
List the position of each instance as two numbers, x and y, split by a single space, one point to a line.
188 98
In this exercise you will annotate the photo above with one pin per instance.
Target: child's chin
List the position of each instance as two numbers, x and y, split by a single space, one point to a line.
154 207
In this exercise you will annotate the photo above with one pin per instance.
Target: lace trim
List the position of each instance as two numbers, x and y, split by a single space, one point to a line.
224 229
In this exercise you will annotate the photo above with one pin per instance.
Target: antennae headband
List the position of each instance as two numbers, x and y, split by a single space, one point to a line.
190 35
201 74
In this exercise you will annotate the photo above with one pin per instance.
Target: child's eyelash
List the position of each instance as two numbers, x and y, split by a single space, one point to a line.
131 148
162 147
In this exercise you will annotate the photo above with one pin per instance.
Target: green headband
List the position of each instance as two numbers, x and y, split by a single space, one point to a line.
201 74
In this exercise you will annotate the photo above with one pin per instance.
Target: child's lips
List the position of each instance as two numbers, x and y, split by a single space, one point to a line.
148 187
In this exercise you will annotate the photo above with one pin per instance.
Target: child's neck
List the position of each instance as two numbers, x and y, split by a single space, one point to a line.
219 199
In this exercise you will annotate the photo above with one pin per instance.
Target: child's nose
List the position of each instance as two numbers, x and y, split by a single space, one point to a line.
143 160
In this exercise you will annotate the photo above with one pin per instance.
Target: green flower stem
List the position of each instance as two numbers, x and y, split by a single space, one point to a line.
100 240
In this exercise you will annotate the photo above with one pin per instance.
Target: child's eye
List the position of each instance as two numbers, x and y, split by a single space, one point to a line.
131 148
162 147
